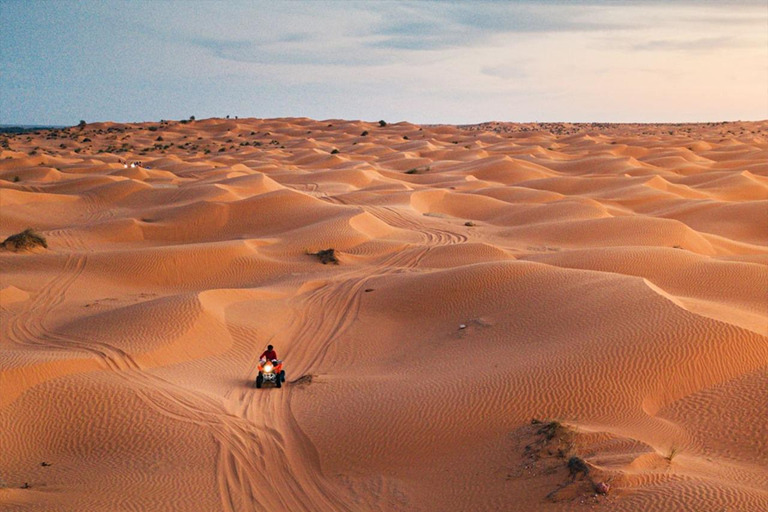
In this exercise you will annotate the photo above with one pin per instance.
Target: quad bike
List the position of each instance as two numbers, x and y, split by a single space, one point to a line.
272 372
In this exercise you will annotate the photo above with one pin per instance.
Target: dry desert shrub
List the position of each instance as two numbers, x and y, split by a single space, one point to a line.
673 452
24 241
325 256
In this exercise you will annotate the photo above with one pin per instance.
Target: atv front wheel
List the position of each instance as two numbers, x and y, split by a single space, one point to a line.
282 376
259 381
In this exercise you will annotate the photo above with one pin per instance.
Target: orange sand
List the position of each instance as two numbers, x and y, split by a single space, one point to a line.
611 277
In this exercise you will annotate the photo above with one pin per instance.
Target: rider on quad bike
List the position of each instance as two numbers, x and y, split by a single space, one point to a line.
268 354
270 368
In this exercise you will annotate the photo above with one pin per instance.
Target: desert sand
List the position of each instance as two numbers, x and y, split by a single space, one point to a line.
508 296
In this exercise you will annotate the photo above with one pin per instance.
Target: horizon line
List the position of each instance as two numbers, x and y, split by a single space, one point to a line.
495 121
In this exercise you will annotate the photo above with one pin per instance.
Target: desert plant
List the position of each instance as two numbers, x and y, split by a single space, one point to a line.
27 239
191 118
577 465
81 124
365 133
673 452
152 128
325 256
549 429
16 179
382 123
335 152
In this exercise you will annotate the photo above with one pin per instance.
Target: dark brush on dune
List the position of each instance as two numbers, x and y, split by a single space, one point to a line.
27 239
327 256
577 465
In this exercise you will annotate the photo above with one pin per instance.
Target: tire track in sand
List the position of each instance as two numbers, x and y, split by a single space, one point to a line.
238 438
289 460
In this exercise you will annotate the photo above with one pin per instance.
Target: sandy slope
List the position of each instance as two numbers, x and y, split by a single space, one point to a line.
610 277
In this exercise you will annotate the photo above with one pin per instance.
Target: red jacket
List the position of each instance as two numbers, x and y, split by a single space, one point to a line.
269 355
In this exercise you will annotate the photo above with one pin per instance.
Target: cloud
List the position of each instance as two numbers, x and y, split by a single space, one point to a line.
704 44
505 72
444 25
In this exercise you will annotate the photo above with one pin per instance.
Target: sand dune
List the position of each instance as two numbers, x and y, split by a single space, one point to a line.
610 278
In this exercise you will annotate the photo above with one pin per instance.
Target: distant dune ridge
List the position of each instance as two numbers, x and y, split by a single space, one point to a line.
522 317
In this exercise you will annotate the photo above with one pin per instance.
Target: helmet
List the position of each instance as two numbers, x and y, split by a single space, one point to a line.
270 347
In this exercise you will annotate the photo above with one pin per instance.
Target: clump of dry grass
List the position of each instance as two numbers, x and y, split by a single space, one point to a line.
577 465
325 256
24 241
418 170
673 452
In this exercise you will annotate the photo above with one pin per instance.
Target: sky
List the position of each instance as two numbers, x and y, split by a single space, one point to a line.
419 61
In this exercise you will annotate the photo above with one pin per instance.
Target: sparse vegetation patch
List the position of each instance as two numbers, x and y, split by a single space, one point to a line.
326 256
673 452
553 449
25 241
